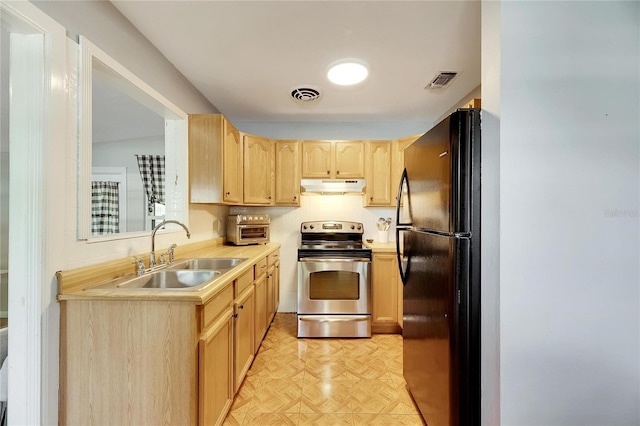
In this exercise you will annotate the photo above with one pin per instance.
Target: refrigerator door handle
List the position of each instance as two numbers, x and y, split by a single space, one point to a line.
404 183
400 255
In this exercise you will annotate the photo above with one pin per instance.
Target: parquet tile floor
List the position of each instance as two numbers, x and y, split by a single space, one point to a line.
330 382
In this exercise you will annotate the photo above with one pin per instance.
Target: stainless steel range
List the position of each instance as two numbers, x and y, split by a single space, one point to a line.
334 280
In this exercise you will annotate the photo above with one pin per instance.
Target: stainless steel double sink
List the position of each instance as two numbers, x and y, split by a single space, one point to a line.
192 274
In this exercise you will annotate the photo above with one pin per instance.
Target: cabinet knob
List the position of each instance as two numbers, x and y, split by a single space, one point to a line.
295 197
337 172
235 315
227 193
371 198
241 306
328 172
269 197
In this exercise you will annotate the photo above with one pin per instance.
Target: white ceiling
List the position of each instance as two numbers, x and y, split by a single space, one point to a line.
245 56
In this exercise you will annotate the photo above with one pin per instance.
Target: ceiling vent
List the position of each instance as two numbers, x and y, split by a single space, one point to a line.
305 93
442 80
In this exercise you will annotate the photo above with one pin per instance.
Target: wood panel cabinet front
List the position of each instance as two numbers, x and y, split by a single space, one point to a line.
271 293
232 158
215 375
260 318
258 170
316 159
349 159
398 163
378 173
243 335
215 160
332 159
287 168
115 370
385 293
273 261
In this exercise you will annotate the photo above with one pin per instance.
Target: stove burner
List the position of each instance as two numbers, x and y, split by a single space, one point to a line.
332 238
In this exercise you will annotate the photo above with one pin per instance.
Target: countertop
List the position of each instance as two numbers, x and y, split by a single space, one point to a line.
77 284
377 247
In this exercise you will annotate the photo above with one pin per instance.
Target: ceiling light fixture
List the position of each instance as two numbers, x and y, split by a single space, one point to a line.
347 72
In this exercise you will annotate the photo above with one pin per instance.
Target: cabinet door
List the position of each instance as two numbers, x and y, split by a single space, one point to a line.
258 170
400 299
349 159
205 158
231 164
271 293
378 174
260 318
215 371
277 285
398 164
316 159
243 336
385 293
287 173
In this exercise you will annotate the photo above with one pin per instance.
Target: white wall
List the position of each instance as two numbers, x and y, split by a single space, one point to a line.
490 216
4 168
569 213
285 229
103 25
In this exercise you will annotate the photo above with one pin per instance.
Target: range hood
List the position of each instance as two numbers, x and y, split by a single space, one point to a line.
333 186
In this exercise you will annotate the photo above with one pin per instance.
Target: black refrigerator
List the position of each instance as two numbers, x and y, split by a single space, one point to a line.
438 238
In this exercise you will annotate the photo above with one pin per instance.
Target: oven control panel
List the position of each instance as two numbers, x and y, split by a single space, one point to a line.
331 227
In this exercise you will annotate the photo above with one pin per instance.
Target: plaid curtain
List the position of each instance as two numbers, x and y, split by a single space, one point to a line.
105 208
152 173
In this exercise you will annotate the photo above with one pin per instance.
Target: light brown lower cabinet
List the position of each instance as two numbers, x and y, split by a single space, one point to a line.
244 336
273 284
131 362
260 319
387 296
158 361
271 293
214 373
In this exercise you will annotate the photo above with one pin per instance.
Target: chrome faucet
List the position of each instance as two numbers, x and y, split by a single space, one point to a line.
152 261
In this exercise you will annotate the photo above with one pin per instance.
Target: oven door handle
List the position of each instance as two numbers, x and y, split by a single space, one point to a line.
333 259
325 319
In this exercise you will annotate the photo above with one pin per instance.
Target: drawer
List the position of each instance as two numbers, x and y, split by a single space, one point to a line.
273 257
243 282
261 267
216 306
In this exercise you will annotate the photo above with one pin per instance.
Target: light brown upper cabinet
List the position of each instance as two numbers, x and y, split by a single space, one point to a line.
399 145
349 159
232 164
333 159
215 160
259 170
378 173
473 103
287 169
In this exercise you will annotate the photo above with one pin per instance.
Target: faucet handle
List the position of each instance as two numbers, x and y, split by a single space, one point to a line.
140 263
172 247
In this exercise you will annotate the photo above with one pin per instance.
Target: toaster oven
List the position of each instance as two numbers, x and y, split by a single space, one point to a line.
245 229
